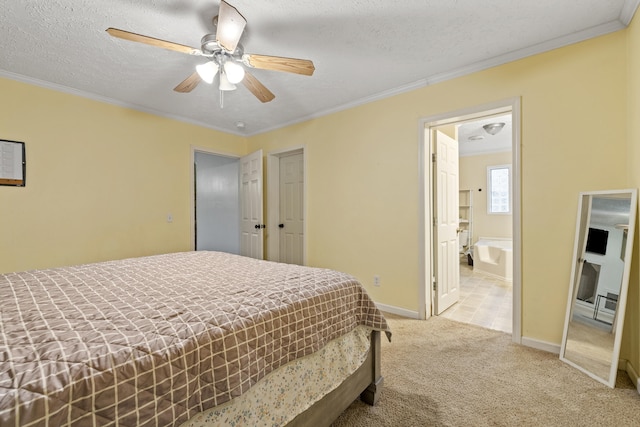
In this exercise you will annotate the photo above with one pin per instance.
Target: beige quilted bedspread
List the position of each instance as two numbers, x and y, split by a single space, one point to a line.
153 340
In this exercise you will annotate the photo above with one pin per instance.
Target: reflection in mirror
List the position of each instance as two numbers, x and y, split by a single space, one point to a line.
599 282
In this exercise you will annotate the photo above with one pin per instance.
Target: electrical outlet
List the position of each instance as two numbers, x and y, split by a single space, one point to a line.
376 280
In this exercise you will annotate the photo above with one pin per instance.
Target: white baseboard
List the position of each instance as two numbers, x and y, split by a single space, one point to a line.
628 368
399 311
529 342
541 345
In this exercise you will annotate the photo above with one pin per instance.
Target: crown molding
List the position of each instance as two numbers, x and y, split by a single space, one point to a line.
362 101
515 55
94 97
628 10
627 13
539 48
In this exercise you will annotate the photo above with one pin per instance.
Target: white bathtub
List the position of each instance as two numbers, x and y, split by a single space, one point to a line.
494 255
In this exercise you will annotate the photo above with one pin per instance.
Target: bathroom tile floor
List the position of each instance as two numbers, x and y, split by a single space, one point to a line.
485 300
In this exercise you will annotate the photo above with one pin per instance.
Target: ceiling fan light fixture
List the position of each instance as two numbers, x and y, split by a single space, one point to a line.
493 128
225 84
207 71
224 48
234 72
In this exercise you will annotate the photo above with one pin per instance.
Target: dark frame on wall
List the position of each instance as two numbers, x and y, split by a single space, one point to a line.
13 164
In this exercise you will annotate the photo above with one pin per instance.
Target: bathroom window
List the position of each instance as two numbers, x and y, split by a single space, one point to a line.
499 189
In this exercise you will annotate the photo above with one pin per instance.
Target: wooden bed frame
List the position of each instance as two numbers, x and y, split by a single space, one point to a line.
365 382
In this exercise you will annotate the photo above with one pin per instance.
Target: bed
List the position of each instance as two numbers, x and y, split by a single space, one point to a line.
185 339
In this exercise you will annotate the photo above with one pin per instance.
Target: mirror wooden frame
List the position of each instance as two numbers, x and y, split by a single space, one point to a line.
578 359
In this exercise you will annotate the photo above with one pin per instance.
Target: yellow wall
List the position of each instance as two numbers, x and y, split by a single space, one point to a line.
363 213
631 338
101 180
473 176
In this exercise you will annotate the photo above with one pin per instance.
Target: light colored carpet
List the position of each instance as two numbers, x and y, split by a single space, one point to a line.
443 373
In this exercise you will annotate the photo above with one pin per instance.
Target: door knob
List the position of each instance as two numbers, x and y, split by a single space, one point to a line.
281 225
258 226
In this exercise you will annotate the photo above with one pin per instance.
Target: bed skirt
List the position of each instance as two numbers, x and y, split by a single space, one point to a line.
294 388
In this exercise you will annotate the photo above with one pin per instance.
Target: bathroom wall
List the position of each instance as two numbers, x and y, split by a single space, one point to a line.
473 175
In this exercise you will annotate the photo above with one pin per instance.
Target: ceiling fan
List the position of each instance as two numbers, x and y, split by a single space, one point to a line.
225 57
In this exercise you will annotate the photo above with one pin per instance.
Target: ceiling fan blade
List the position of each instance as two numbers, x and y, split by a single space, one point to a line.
230 26
126 35
279 63
257 88
188 84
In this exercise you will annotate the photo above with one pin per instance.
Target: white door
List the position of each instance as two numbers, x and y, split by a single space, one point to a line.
291 209
251 223
446 257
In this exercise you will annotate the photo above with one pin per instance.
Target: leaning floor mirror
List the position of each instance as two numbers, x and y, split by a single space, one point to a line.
599 283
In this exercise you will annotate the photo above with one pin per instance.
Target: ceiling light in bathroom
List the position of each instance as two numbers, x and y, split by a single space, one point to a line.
493 128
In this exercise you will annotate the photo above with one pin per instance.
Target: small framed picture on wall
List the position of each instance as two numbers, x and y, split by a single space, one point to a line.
13 165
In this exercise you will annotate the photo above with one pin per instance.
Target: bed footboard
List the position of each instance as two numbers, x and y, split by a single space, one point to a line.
365 382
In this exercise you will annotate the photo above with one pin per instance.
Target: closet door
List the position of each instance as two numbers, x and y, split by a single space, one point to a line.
291 225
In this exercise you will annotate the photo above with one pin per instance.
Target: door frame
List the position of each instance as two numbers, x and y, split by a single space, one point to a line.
425 167
272 234
192 182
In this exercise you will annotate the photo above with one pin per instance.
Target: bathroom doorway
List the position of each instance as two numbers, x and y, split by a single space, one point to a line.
488 231
485 230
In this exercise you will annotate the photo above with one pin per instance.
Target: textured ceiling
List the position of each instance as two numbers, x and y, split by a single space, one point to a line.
362 49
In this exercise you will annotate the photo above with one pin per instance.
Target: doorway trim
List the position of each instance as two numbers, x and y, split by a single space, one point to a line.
192 181
272 234
425 166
